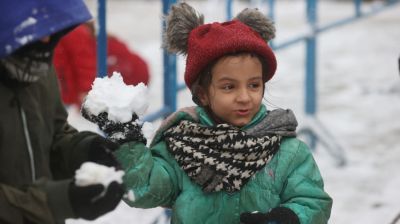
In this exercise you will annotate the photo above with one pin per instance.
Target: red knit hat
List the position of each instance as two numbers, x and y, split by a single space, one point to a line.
211 41
187 34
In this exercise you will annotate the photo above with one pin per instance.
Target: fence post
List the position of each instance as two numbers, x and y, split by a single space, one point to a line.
229 6
311 59
169 60
314 129
271 15
102 39
357 5
310 80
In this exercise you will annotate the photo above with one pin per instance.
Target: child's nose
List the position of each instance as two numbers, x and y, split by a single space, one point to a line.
243 95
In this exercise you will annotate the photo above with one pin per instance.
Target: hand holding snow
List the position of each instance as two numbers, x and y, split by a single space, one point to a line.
92 173
120 101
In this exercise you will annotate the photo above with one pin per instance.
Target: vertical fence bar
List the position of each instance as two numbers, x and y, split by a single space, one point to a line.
271 9
229 6
101 39
357 6
169 60
271 15
310 105
310 80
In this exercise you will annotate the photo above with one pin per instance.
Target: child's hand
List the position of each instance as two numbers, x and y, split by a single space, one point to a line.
117 131
279 215
101 152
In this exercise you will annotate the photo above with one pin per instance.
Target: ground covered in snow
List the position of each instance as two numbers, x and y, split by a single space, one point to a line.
358 97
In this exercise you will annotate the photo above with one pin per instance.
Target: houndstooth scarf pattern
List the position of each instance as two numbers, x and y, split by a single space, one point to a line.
220 157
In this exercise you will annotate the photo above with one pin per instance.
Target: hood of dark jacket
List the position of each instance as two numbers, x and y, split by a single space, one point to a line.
25 21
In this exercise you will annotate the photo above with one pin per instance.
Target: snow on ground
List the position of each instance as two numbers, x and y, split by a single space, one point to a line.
358 97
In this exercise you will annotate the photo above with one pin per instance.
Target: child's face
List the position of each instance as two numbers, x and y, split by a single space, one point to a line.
236 89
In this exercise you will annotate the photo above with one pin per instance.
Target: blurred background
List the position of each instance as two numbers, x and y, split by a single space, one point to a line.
357 96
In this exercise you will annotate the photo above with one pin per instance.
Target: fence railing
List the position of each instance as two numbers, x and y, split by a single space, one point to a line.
315 130
171 87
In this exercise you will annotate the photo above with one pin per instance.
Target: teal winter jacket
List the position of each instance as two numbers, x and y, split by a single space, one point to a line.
291 179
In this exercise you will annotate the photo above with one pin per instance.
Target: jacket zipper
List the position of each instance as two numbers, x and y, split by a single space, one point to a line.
28 142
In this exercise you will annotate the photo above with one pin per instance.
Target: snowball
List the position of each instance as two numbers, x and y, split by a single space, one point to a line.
120 101
92 173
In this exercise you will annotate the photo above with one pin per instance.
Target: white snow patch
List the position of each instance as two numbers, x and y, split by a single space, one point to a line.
148 130
24 24
92 173
118 135
120 101
8 49
24 39
130 196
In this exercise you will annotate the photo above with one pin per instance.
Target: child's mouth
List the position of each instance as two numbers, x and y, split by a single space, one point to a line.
242 112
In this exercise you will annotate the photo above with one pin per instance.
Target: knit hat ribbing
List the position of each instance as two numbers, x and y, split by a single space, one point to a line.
211 41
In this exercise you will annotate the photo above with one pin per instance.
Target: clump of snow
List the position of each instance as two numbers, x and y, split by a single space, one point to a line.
28 22
148 130
120 101
24 39
118 136
130 196
92 173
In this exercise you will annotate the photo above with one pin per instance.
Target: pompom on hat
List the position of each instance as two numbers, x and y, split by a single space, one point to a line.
186 34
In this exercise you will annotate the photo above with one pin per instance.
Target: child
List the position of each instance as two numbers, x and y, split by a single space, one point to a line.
229 160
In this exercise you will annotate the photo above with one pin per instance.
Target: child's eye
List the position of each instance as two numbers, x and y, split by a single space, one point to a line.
227 87
254 85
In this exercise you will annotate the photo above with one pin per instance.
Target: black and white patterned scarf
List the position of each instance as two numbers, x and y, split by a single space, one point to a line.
221 157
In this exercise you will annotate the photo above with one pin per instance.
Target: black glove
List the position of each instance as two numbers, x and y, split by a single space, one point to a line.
279 215
90 202
117 131
101 151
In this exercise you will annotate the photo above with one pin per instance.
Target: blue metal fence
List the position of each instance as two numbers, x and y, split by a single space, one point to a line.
102 39
171 87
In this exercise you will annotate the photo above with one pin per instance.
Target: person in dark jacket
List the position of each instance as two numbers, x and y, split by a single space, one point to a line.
39 150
